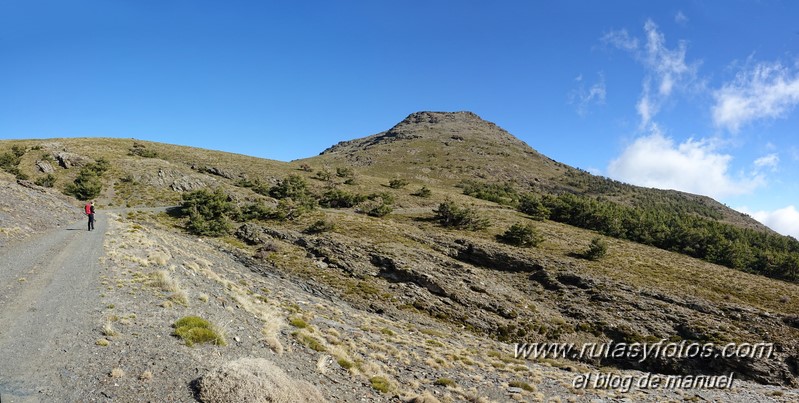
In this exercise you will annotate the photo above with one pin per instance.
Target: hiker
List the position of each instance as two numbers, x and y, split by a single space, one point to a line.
90 213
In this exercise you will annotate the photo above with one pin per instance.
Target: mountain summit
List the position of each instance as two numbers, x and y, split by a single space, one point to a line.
445 147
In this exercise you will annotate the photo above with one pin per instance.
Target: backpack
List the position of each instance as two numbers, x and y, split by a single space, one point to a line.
88 208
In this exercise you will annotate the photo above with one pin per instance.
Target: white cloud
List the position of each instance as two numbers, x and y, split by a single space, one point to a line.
680 18
692 166
666 68
583 97
768 90
768 161
621 39
784 220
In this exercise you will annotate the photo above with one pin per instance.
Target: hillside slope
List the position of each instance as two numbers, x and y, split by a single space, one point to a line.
344 260
446 148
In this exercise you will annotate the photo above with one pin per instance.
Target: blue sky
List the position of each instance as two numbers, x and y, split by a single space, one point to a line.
699 96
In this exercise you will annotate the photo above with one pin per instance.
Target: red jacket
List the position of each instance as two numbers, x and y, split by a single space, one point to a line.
88 208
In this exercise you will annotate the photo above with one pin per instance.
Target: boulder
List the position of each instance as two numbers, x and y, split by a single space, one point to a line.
45 166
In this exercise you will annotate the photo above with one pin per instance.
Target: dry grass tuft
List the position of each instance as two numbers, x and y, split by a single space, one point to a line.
254 380
117 373
146 376
109 331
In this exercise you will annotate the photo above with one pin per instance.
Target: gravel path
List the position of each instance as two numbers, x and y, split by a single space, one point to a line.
49 290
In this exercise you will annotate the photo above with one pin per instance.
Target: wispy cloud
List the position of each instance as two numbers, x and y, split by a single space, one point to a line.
621 39
680 18
692 166
768 161
584 97
764 91
784 220
666 68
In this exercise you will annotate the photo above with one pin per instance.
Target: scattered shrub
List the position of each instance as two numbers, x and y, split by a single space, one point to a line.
209 212
319 226
87 185
140 150
532 205
503 194
337 198
46 181
345 172
323 175
424 191
451 215
297 198
522 235
375 208
596 250
397 183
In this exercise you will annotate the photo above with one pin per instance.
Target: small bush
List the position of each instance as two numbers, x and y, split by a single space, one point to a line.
397 183
209 212
450 215
532 205
375 208
46 181
337 198
319 226
596 250
521 235
140 150
323 175
345 172
503 194
87 185
424 191
193 329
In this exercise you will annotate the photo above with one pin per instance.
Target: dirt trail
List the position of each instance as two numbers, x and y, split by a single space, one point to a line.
48 300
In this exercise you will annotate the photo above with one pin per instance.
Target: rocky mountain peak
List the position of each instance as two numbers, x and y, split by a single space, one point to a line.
445 127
